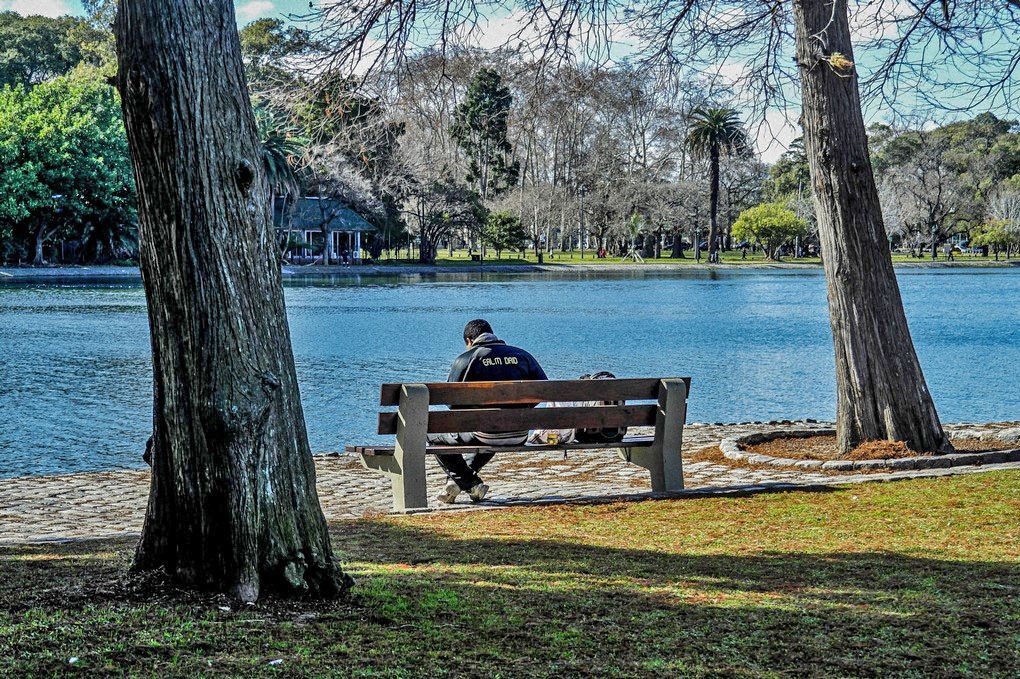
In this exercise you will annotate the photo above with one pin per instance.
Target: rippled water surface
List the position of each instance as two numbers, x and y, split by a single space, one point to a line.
75 371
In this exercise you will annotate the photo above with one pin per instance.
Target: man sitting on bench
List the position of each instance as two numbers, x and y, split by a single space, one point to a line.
487 359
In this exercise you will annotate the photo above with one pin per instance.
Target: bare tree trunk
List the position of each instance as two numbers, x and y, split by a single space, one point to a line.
677 251
327 247
40 241
713 223
232 502
881 391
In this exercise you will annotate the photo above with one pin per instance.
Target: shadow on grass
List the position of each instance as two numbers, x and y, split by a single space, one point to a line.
832 612
432 603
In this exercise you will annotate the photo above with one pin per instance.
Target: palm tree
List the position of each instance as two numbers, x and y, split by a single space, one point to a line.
715 132
281 145
634 226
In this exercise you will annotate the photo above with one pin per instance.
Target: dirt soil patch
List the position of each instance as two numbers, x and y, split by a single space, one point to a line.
824 448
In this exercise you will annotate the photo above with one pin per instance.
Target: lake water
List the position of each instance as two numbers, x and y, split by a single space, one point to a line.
75 372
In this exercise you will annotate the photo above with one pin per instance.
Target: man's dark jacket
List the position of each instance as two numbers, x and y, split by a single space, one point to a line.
490 359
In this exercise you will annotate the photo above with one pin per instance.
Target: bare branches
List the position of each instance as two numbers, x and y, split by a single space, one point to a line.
917 54
953 56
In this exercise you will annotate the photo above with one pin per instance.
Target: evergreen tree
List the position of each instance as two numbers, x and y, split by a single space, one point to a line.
480 128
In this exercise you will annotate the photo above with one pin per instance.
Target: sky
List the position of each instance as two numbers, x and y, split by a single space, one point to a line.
772 134
246 10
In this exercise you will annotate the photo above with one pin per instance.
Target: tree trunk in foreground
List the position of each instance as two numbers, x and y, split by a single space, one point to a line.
880 389
232 503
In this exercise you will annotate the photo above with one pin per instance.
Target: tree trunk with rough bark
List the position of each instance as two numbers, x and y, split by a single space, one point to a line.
881 391
713 224
232 501
40 242
677 250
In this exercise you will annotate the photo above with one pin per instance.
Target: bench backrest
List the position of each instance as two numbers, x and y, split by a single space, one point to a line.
502 406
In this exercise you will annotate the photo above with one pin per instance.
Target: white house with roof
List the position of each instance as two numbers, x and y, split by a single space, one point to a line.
309 220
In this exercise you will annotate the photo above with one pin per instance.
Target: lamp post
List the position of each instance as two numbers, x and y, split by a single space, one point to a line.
697 244
934 252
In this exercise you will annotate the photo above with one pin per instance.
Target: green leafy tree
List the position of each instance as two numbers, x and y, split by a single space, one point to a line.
504 231
998 235
65 169
94 37
790 176
480 128
715 132
34 49
266 44
770 226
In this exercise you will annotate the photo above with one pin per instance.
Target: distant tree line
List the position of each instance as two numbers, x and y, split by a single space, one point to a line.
568 155
955 183
573 153
472 149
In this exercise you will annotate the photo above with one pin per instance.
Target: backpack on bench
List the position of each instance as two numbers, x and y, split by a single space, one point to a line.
606 435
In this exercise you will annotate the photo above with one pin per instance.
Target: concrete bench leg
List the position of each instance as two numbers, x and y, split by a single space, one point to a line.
662 459
671 418
406 468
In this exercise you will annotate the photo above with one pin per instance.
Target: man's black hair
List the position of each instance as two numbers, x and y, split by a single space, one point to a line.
475 328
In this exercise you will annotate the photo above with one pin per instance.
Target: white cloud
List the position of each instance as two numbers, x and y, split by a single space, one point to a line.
254 9
728 72
728 18
47 8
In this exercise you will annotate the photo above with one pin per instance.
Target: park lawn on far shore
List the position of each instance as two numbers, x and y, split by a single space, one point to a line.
461 258
915 578
509 258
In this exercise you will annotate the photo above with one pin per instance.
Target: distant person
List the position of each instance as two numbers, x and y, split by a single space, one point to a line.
345 257
486 359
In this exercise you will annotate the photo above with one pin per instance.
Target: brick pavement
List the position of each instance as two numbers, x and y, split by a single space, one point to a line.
110 504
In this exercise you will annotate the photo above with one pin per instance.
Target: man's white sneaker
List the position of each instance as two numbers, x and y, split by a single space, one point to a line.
478 492
449 494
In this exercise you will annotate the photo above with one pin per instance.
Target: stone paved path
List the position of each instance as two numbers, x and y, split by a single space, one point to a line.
109 504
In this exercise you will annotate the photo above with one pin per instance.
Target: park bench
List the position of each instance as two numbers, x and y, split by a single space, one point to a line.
504 407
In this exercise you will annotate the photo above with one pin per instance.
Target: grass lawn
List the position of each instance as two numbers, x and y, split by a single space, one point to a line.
917 578
462 258
732 257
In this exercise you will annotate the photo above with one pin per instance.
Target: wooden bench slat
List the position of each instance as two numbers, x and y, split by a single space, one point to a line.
506 419
524 392
483 406
630 442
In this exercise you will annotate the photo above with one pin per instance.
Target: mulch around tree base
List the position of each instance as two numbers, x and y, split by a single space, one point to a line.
824 448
